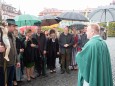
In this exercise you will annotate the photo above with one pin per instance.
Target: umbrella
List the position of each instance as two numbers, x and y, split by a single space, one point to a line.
48 20
23 28
26 20
77 25
103 14
74 16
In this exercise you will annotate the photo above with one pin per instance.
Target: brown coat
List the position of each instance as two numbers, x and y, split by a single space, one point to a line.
13 53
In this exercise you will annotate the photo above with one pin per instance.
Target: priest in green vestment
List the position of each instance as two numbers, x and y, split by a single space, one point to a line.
94 60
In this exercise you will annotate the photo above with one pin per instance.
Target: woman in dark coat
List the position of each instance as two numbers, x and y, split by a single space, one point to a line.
17 74
52 50
75 48
29 55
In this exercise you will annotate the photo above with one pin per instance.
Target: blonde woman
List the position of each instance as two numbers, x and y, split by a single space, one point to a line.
29 55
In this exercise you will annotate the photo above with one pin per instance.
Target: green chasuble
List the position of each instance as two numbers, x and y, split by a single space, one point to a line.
94 63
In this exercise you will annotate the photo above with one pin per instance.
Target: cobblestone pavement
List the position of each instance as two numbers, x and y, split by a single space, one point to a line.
111 44
58 79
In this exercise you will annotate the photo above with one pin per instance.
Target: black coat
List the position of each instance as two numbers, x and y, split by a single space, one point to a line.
22 39
18 45
52 48
41 40
36 49
84 39
1 54
29 52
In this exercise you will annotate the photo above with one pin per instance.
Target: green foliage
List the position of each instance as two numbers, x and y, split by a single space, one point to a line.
110 28
48 28
102 24
45 28
60 29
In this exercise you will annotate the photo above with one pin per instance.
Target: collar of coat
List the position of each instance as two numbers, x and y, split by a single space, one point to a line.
96 37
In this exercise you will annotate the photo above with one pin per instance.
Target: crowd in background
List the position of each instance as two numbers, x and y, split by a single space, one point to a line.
38 52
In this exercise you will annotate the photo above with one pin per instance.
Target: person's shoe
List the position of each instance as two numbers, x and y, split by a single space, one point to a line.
54 71
38 75
72 69
62 72
29 80
32 77
75 68
15 83
51 71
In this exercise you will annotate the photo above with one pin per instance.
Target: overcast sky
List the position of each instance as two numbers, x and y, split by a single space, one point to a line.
35 6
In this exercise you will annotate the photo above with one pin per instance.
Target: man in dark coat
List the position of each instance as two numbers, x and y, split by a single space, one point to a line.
41 45
10 65
2 49
83 37
22 39
65 42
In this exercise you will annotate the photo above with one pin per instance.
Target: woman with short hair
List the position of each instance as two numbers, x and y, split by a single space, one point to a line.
29 55
52 50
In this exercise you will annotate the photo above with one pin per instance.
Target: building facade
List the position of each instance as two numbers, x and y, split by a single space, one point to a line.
51 11
56 12
8 11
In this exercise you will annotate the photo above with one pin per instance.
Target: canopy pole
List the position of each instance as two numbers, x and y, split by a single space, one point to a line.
105 17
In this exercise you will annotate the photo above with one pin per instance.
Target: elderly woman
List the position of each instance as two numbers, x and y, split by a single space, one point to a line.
75 48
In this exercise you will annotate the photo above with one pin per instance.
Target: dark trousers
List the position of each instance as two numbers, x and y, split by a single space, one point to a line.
14 79
44 61
65 61
10 75
2 80
48 62
40 66
52 61
22 65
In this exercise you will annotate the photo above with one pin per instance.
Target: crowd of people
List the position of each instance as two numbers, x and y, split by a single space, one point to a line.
38 51
30 52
